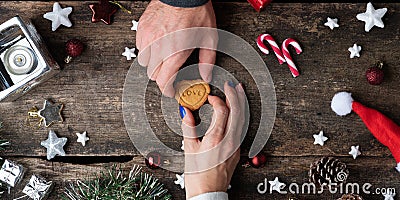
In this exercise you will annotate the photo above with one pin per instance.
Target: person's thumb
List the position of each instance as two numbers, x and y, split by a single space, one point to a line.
206 64
190 138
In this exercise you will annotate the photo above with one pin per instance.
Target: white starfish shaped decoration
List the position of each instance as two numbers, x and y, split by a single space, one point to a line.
320 138
372 17
59 16
332 23
129 53
180 180
54 145
82 138
389 196
276 185
398 167
134 25
355 152
355 51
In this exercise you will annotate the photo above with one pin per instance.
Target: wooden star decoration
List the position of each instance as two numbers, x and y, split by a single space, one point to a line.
51 113
103 11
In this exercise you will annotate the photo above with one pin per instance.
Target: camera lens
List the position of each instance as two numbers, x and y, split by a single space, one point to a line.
19 60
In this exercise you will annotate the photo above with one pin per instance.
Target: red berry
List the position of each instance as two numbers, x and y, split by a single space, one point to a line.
374 75
258 160
74 47
153 160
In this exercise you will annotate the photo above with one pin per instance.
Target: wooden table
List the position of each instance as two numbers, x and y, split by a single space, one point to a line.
91 89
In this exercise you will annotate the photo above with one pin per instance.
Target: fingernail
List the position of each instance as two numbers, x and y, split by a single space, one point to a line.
230 83
209 78
182 111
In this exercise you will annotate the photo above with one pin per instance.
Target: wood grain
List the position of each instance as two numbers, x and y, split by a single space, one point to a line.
91 88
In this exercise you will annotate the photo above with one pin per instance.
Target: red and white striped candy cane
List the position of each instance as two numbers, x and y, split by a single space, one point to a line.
289 58
271 41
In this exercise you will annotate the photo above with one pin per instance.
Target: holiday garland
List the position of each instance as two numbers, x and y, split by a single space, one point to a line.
114 184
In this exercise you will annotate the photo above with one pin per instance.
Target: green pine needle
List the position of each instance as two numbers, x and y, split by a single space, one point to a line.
3 143
113 184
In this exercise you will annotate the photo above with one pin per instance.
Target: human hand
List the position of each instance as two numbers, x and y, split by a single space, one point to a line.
164 58
210 163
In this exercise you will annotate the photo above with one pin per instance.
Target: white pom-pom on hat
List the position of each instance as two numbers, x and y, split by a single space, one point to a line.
342 103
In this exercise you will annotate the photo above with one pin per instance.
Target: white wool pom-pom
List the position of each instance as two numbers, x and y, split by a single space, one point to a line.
342 103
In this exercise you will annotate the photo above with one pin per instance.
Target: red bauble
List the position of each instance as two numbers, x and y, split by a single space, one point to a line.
153 160
74 47
258 160
103 11
375 74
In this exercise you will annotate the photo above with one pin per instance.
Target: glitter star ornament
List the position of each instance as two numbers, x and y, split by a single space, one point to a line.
51 113
82 138
389 196
59 16
180 180
54 145
355 51
355 152
320 138
372 17
134 25
332 23
129 53
276 185
103 11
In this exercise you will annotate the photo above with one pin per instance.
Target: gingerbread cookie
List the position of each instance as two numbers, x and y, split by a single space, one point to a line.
192 93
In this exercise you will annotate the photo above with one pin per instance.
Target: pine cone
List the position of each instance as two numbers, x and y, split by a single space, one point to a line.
350 197
328 171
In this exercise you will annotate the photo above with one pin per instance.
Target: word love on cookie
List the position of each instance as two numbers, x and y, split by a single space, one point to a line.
282 55
192 94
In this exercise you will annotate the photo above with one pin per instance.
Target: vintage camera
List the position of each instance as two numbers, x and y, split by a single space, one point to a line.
24 60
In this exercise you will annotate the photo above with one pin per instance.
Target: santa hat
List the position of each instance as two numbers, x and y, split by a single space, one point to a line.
384 129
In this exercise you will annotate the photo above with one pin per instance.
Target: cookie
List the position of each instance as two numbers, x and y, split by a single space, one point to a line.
192 94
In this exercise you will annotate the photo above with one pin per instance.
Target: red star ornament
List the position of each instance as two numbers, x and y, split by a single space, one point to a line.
103 11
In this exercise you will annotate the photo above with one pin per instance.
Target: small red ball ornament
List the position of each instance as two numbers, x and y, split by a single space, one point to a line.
375 74
153 160
74 48
259 4
258 160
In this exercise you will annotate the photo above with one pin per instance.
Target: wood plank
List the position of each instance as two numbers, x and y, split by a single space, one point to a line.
91 86
244 182
91 89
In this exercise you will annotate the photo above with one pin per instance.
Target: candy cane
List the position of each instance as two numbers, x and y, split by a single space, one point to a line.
289 58
271 41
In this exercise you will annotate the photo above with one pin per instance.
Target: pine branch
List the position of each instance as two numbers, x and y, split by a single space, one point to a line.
3 143
114 184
